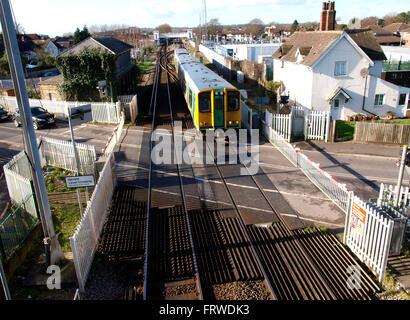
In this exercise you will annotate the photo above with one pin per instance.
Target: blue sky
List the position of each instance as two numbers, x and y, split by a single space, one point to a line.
57 17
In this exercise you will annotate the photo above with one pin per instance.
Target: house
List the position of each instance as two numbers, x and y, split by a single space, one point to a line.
338 71
384 37
49 89
125 71
54 48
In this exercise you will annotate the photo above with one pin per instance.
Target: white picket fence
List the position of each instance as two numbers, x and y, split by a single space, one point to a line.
387 196
58 108
368 234
114 138
104 113
60 153
52 152
317 125
85 239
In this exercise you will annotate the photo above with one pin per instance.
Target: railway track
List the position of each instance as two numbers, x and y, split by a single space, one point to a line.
170 265
297 264
193 251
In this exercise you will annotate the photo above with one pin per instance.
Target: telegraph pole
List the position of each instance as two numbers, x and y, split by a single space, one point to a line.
53 250
401 174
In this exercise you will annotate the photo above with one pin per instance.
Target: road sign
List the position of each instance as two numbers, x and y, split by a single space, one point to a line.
80 182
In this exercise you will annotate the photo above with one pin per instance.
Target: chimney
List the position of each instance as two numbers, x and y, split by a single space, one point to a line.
331 17
328 16
323 17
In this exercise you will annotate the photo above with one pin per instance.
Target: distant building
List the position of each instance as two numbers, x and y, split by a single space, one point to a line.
49 89
126 74
339 72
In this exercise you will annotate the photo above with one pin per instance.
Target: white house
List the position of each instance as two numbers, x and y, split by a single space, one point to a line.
54 48
339 72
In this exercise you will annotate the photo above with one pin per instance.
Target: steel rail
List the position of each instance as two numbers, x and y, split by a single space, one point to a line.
296 241
243 224
154 104
182 188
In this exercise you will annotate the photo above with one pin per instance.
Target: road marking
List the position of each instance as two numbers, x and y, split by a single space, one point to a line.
204 180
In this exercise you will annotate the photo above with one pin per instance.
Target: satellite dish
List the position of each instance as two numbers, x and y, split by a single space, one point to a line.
364 72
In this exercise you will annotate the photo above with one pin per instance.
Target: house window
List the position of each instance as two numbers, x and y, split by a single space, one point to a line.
336 103
402 99
340 68
379 100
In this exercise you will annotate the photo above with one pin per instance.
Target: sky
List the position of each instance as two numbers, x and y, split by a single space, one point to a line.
54 18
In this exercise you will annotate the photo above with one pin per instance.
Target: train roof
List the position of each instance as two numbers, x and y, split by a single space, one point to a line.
202 77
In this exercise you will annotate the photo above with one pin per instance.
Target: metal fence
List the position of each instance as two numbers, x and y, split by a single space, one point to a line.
372 240
104 112
17 173
85 239
336 191
15 227
368 234
60 153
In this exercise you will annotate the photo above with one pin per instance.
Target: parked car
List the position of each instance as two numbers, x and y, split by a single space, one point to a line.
4 115
41 118
51 74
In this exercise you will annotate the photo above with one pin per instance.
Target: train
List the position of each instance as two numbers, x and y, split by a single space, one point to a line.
213 102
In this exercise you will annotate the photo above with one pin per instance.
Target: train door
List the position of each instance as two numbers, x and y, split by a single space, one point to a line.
219 109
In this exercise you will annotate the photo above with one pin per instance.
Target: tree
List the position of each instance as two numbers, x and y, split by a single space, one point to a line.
4 63
82 72
370 21
402 17
214 27
294 27
255 27
81 35
164 28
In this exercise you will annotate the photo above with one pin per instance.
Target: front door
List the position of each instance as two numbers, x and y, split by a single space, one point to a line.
337 109
219 108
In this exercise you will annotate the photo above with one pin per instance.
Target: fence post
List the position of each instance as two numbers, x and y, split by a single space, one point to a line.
327 127
348 212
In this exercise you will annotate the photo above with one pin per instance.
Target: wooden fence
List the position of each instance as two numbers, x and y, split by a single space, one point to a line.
382 132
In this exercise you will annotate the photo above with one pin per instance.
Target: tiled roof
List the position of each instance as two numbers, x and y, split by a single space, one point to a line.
368 43
397 27
53 81
112 44
319 41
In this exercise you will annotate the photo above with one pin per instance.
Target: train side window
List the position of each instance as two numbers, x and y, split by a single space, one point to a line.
204 102
233 101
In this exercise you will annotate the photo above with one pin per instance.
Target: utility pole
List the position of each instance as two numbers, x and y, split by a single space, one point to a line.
76 160
401 174
52 247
